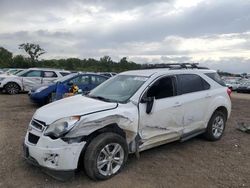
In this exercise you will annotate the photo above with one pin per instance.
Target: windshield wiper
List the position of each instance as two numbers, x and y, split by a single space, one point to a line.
100 98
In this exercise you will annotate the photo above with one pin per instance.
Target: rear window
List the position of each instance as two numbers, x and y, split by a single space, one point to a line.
214 76
49 74
189 83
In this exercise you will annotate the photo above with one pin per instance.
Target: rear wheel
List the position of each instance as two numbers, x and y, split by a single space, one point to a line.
216 126
105 156
12 88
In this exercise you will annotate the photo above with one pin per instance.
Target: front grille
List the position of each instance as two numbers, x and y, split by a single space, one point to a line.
33 138
38 124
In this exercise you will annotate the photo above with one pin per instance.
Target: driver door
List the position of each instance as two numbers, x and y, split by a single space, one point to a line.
164 123
31 79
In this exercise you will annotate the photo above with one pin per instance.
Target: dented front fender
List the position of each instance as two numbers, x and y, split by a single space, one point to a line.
125 116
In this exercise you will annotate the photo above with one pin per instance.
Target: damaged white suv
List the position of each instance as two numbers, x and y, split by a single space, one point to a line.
129 113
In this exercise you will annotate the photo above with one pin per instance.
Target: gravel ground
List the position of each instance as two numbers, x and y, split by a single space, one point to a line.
194 163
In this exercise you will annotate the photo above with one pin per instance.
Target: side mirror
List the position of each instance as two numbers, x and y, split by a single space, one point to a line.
149 103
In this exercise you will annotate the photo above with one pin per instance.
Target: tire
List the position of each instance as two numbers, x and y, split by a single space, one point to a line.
97 151
216 126
12 88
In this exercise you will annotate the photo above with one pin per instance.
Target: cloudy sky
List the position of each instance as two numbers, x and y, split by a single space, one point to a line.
215 33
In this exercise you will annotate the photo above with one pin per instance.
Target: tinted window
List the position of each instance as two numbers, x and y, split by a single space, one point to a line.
162 88
80 80
216 78
96 80
33 73
49 74
188 83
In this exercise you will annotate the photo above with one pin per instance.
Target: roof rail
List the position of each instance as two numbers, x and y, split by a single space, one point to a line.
175 66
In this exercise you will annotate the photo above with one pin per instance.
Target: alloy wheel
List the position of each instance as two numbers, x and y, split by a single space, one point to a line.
218 126
110 159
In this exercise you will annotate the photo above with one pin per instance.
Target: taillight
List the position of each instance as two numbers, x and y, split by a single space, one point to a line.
229 92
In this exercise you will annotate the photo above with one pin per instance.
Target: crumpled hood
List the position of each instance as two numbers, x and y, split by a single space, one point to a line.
71 106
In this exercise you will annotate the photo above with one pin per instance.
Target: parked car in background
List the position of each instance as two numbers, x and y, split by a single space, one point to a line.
232 84
129 113
13 71
244 87
27 79
84 81
108 74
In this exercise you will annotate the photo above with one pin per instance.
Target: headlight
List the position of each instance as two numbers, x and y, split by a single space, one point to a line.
61 126
40 89
1 79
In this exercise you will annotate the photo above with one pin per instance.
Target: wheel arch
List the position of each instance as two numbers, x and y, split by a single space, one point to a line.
113 128
20 87
222 109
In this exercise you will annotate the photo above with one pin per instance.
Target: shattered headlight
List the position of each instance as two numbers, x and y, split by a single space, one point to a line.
61 126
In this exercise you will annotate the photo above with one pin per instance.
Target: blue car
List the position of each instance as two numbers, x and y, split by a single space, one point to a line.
85 81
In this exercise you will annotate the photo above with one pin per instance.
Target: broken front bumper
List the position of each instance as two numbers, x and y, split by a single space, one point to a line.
56 157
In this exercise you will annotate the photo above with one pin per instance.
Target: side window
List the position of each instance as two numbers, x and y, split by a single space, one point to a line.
49 74
96 80
80 80
216 77
64 73
188 83
162 88
33 73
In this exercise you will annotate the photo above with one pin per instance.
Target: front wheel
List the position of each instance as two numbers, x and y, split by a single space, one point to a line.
105 156
216 126
12 88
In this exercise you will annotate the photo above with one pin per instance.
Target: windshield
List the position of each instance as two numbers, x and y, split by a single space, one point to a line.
62 79
15 73
118 89
21 73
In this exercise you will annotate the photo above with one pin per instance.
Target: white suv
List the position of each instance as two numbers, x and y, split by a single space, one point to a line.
129 113
27 79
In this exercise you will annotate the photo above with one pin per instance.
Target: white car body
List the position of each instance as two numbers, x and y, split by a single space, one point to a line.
26 82
12 71
174 118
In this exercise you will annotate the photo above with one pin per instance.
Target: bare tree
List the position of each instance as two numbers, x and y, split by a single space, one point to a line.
34 50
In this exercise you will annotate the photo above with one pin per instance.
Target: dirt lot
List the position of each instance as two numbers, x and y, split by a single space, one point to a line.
195 163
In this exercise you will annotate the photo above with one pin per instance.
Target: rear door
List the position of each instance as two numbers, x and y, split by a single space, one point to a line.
32 78
195 94
48 77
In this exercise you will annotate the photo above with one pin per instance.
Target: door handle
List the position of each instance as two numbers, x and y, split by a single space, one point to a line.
177 104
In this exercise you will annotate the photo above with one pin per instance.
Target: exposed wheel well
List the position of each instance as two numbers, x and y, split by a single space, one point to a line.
114 128
223 109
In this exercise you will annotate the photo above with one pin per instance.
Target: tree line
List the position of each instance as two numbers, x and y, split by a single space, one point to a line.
34 51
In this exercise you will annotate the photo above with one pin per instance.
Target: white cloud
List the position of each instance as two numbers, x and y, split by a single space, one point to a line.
144 30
